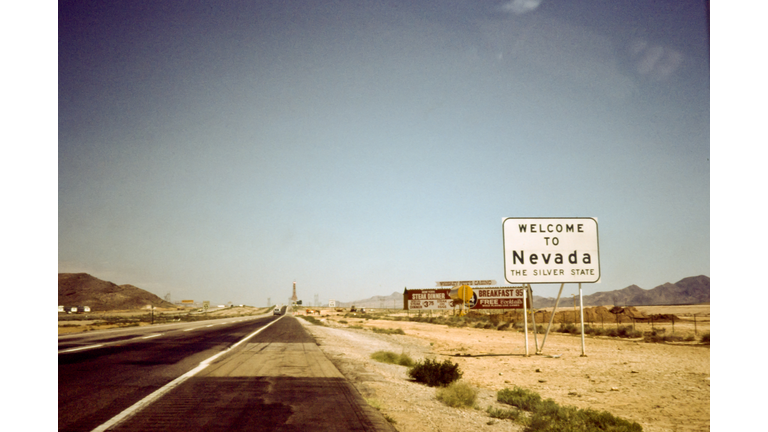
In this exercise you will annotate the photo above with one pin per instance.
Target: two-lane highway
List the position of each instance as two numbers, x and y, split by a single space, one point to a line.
103 373
256 374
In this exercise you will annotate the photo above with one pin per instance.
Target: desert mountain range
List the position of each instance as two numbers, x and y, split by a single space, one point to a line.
77 289
690 290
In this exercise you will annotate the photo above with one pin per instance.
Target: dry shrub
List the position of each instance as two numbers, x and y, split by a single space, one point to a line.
457 395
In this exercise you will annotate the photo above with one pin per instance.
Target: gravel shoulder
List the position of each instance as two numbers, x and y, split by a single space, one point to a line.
412 406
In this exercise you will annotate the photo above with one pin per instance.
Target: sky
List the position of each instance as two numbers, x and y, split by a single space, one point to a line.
223 151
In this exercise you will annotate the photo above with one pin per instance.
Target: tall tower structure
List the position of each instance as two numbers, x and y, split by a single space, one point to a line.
294 298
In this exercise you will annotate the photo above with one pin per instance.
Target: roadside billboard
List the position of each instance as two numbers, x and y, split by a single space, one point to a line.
551 250
427 299
498 297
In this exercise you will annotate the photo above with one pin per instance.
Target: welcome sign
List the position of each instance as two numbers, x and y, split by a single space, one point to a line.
551 250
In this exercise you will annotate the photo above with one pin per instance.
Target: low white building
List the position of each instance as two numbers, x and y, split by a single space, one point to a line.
332 303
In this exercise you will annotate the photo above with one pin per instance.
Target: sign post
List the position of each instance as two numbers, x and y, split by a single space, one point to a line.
581 316
464 294
525 320
551 250
529 290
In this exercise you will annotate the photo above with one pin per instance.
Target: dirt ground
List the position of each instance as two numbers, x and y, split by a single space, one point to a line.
663 387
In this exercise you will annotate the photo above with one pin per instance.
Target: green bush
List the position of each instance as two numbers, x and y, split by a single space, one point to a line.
548 416
568 328
457 395
629 332
519 397
598 331
503 414
658 335
433 373
622 332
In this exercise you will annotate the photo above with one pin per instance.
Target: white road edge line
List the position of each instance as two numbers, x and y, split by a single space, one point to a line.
81 348
151 336
138 406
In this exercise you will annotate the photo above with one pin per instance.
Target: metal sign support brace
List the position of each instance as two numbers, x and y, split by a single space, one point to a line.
552 318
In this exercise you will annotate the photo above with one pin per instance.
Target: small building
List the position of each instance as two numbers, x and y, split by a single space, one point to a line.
332 303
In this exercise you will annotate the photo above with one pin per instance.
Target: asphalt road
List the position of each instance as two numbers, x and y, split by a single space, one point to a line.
206 376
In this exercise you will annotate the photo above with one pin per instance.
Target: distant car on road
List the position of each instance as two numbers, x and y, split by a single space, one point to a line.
277 311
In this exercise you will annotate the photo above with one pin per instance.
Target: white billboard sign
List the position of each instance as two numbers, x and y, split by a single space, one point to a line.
427 299
551 250
468 282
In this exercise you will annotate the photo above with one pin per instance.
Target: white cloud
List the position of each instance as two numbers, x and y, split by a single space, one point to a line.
655 61
519 7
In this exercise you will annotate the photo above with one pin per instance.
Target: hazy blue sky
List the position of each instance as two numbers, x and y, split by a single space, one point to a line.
220 152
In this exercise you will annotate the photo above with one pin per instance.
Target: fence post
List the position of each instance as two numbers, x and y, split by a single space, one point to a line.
695 333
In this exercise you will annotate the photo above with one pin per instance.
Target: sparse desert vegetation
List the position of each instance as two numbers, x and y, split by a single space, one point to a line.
401 359
651 376
548 415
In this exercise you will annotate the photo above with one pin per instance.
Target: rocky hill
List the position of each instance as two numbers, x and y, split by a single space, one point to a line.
82 289
691 290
